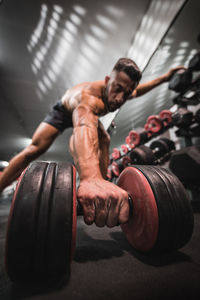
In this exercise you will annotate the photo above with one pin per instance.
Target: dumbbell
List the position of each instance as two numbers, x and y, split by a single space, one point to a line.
192 99
162 146
166 117
130 142
41 231
185 164
194 63
136 138
116 154
153 125
119 161
125 149
148 155
182 117
119 165
182 79
142 155
158 123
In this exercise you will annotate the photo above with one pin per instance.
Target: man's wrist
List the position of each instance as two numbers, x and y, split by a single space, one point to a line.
89 171
165 78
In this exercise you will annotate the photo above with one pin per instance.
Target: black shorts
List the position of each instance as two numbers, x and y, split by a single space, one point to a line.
59 117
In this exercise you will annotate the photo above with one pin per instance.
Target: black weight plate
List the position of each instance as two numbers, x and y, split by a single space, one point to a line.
143 137
141 230
160 146
185 164
60 237
42 223
170 143
174 209
43 220
162 215
142 155
184 219
194 63
22 223
180 81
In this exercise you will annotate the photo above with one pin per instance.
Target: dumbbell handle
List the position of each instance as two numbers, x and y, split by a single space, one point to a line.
79 207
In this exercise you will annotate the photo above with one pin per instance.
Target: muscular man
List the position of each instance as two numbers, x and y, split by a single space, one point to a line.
81 106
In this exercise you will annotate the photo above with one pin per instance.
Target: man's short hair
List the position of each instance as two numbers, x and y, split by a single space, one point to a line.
129 67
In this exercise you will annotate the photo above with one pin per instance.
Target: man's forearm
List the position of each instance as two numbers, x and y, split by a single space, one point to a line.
84 144
85 152
144 88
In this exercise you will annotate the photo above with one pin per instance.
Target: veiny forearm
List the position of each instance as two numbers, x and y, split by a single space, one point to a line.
85 151
84 144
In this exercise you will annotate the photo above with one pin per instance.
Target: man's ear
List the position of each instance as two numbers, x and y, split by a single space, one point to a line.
107 78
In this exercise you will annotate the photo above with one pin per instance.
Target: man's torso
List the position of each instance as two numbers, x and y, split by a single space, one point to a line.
89 93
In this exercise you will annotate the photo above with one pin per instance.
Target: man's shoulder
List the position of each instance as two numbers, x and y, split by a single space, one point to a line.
94 101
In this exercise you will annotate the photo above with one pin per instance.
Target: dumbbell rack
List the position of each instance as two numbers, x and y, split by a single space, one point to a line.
188 126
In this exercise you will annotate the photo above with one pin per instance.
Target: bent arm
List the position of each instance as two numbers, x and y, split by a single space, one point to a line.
144 88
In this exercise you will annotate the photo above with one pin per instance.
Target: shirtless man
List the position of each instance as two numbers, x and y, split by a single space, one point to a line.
81 106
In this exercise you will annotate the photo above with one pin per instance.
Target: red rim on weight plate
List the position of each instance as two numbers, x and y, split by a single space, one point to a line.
154 124
134 137
166 116
142 227
129 142
124 149
116 153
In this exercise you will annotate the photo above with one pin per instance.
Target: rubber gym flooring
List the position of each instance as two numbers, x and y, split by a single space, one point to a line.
106 267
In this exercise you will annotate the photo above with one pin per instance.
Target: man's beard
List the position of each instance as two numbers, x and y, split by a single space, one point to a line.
105 98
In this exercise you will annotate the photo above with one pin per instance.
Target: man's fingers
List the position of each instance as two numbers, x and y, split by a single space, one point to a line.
124 212
113 213
104 204
88 210
101 212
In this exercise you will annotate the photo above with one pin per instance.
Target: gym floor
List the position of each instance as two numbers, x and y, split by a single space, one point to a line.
106 267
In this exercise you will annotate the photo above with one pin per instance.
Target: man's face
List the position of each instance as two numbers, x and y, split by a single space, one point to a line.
119 88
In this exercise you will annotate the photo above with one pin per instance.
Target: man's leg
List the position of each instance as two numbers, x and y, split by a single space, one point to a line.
42 139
